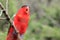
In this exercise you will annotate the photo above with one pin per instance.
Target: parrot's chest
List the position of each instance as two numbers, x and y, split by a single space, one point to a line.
23 19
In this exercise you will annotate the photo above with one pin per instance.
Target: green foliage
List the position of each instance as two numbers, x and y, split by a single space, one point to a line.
38 29
3 35
12 7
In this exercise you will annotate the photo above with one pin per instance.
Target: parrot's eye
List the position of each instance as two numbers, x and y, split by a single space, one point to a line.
26 9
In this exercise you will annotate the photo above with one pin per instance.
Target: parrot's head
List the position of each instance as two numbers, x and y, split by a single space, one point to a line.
25 8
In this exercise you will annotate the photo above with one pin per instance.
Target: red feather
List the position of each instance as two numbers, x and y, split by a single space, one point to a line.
20 21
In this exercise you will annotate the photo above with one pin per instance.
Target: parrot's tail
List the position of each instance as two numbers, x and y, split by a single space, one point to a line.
11 34
11 37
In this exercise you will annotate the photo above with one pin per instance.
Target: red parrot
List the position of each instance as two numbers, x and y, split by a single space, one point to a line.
21 20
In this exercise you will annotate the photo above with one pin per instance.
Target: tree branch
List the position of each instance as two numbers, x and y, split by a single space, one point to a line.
2 18
8 19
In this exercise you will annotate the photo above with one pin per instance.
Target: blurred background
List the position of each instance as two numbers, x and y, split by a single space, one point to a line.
44 19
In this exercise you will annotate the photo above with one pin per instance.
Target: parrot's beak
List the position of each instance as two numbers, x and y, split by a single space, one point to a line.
27 7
